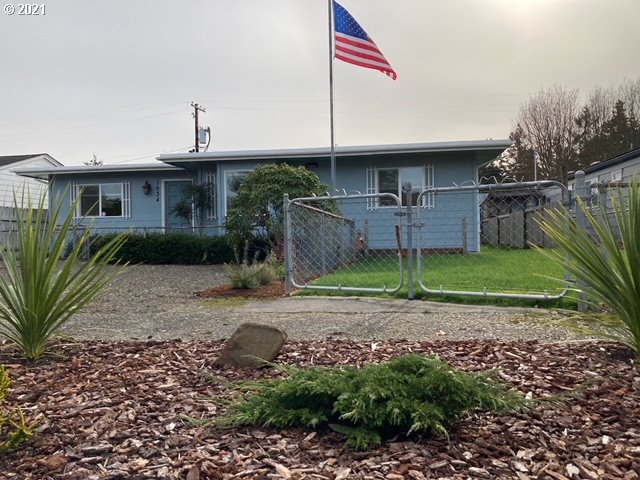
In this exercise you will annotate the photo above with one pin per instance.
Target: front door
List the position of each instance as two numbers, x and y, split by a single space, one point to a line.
174 192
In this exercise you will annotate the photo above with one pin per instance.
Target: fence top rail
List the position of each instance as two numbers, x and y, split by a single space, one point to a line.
349 197
497 186
323 212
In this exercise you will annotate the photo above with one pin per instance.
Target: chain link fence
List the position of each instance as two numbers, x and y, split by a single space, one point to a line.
463 240
348 243
478 241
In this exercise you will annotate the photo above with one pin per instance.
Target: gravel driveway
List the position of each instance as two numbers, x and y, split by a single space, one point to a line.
157 302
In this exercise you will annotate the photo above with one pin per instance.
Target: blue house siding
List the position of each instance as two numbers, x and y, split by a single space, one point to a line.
358 170
146 211
446 217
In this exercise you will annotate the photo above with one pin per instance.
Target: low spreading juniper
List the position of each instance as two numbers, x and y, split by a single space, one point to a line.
407 395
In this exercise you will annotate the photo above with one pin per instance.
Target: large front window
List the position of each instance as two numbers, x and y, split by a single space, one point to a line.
392 180
101 200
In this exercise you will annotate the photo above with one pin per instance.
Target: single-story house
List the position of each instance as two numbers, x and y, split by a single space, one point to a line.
117 197
621 168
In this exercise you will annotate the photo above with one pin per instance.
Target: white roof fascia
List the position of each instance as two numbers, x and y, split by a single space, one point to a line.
51 160
88 169
341 151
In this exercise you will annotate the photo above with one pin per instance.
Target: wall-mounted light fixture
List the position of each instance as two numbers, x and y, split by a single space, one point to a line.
146 188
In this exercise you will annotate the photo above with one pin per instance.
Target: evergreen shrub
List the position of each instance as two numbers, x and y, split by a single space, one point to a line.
410 394
177 248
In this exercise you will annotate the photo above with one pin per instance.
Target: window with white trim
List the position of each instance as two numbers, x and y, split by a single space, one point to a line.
232 180
102 199
616 176
391 180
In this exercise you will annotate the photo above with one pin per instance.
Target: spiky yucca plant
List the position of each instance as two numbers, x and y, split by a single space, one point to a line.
608 263
39 292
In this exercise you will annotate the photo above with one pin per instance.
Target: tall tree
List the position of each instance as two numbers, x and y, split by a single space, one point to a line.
598 140
590 143
621 132
629 93
546 125
517 162
567 136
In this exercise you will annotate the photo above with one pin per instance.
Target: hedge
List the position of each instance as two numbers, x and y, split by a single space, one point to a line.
176 248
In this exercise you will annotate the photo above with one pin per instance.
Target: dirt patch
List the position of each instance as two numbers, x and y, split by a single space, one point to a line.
272 290
118 410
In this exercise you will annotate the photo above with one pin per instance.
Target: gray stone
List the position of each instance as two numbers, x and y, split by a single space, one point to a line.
251 344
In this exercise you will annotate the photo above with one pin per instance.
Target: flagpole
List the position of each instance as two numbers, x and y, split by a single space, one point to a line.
333 150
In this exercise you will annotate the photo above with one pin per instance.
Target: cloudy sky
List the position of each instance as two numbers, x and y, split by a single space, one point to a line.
116 78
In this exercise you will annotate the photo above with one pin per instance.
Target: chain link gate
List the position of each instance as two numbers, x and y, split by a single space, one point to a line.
342 243
476 241
461 241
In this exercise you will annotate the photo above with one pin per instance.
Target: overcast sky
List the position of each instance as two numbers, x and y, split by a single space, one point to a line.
116 78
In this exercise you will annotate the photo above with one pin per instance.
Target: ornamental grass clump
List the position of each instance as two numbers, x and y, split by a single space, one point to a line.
247 275
410 394
607 261
38 291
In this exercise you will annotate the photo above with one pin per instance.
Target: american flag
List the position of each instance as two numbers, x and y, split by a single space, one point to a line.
353 45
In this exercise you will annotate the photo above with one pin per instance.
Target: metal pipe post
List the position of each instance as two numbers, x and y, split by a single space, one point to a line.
287 246
407 191
581 220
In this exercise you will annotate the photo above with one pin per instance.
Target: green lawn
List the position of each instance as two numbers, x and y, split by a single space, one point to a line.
497 270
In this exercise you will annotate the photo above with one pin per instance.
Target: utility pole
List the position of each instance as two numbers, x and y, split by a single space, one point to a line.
197 108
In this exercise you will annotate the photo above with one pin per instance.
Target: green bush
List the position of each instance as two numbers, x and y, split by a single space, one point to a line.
171 248
411 394
257 207
14 429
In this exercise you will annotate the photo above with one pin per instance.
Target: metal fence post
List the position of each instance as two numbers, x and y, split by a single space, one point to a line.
287 246
581 220
465 245
407 191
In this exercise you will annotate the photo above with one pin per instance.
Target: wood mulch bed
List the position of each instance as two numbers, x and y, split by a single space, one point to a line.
121 411
272 290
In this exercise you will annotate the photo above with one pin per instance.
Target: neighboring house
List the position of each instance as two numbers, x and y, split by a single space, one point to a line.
11 183
116 197
27 191
617 169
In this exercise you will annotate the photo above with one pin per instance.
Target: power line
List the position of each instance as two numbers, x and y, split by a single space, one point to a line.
143 155
72 130
93 115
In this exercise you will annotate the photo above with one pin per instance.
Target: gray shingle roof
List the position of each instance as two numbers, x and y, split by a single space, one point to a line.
9 159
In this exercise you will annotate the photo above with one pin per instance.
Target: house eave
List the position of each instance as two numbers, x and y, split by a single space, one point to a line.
340 151
44 173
